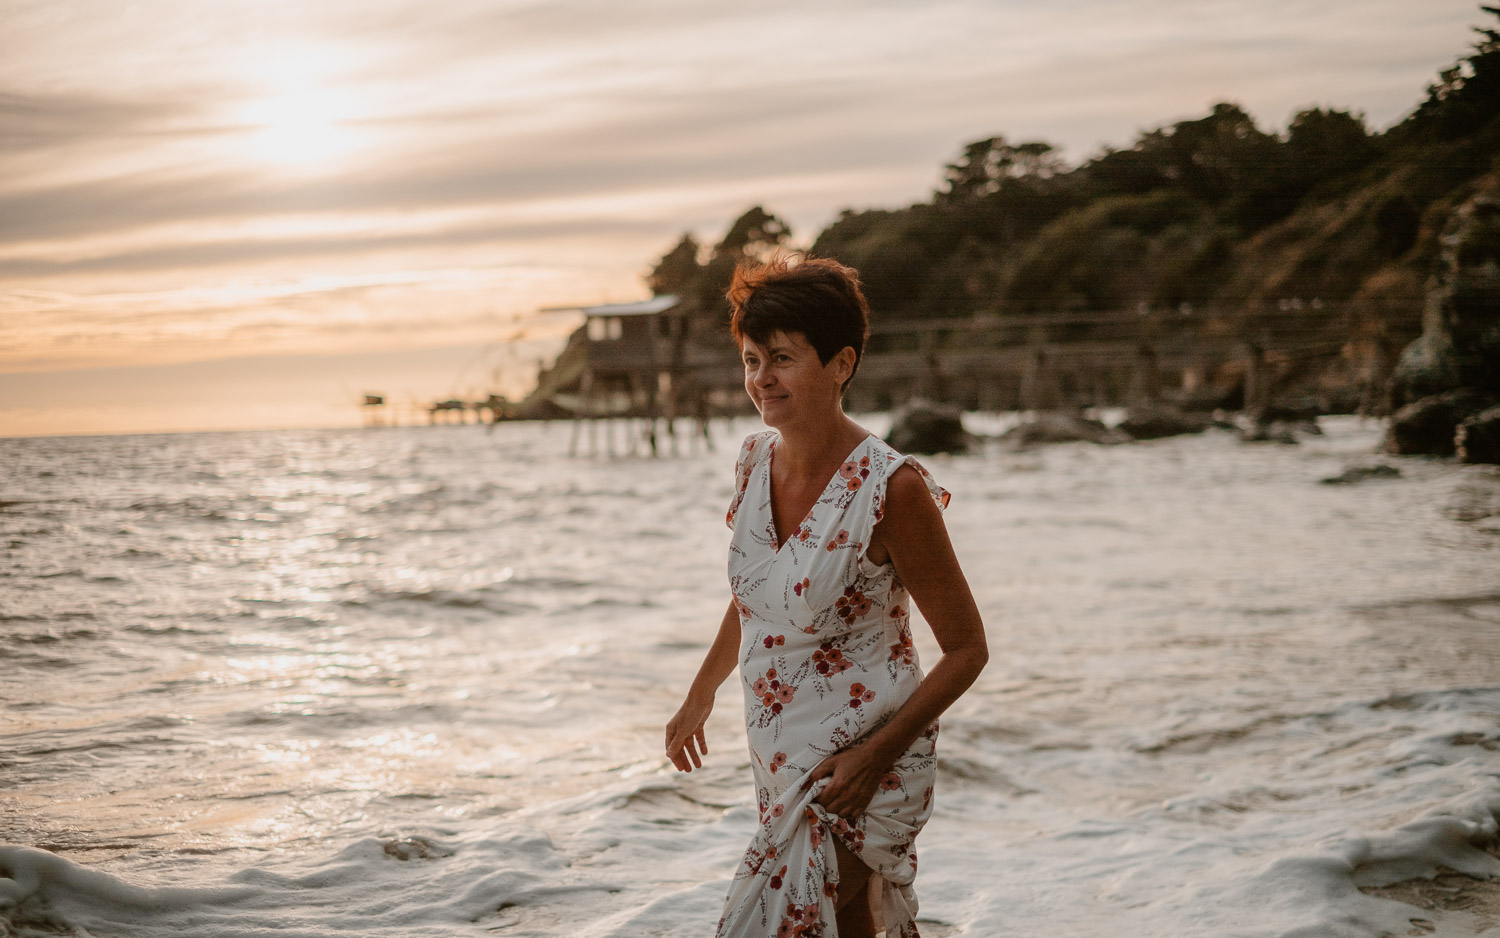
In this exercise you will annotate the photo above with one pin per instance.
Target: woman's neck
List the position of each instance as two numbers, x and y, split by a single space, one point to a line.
808 448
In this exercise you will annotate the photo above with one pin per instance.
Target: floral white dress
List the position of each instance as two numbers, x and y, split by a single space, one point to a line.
825 658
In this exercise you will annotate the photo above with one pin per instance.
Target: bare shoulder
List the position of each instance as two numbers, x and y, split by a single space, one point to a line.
910 515
906 493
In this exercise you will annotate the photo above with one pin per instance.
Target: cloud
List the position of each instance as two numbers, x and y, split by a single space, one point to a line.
504 155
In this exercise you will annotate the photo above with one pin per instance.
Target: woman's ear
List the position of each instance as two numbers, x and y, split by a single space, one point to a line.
844 361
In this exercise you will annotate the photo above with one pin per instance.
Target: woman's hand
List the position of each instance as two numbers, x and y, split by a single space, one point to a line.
685 740
852 780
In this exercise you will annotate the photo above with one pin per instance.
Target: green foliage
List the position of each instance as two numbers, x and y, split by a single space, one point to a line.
1466 96
1212 211
1103 256
754 234
676 269
985 165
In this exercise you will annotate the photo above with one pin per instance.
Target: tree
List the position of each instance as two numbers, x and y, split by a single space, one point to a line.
676 269
1466 95
1323 145
754 234
985 164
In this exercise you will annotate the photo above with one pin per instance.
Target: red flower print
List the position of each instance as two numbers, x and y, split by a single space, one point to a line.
891 782
868 696
771 673
777 809
799 587
864 462
760 687
780 640
814 829
848 470
784 693
856 689
901 650
770 642
852 605
854 484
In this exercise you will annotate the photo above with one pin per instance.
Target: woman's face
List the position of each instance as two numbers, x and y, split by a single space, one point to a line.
787 382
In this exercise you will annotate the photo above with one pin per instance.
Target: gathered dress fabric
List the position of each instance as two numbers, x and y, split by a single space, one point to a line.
825 658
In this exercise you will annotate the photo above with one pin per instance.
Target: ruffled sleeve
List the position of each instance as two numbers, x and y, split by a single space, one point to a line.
751 452
890 461
938 493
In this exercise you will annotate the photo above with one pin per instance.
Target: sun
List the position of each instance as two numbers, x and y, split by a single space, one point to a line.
298 129
297 115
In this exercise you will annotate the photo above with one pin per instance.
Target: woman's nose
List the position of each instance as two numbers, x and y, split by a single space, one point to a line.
762 375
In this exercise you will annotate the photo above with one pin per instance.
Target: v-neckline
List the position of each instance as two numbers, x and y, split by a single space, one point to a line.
771 492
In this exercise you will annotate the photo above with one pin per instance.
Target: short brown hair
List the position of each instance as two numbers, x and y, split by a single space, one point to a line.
793 293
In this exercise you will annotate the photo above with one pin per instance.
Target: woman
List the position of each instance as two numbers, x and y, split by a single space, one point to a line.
832 531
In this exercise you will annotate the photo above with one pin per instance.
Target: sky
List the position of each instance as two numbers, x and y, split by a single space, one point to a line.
224 214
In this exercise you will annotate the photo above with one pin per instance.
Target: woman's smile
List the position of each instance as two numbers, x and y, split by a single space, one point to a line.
785 376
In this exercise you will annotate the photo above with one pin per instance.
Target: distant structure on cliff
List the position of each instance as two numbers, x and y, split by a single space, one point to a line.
636 363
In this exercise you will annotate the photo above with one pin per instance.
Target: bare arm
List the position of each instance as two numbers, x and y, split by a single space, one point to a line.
913 535
686 726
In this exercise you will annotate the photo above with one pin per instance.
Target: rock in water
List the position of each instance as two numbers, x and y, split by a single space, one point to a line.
1361 473
1478 438
1273 431
1061 427
1460 342
922 426
1429 426
1157 422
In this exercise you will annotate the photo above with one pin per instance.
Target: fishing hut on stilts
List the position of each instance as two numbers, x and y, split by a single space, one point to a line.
637 373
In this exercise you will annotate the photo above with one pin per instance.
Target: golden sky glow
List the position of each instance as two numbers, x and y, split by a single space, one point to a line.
273 182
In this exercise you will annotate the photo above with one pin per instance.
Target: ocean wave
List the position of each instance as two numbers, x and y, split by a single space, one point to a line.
47 637
442 598
394 885
1346 890
1458 701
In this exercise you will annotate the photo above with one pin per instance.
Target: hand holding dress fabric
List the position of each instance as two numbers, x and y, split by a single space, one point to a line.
853 780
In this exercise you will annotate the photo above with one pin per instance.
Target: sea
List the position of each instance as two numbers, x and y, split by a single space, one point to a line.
413 682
